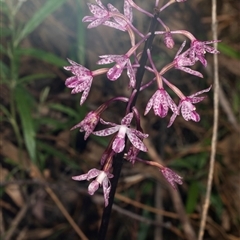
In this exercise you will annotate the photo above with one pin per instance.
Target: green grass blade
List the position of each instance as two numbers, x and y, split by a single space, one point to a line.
33 77
192 198
2 48
80 33
49 7
23 102
62 108
42 55
4 71
56 153
229 51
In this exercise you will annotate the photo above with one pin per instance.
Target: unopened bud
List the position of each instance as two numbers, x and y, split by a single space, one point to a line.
171 176
168 40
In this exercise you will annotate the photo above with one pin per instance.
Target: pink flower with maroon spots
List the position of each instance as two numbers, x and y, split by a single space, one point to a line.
187 108
183 61
132 154
82 80
88 124
198 50
171 177
123 25
102 15
133 135
102 179
161 102
115 72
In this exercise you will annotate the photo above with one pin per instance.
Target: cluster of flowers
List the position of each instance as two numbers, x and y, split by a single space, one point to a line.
160 101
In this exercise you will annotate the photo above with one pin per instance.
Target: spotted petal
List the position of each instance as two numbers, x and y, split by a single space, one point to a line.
127 119
107 123
97 11
118 144
171 177
127 9
107 131
87 176
131 75
136 142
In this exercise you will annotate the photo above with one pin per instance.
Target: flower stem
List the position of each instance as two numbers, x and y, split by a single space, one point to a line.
118 159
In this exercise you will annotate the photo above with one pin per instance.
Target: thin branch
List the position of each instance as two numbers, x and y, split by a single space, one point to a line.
215 126
16 221
177 201
38 179
223 101
99 200
65 213
145 207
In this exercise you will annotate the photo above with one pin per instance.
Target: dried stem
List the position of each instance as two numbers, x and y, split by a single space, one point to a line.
16 221
215 126
175 195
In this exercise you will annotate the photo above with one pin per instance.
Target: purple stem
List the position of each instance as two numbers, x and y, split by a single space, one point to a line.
118 159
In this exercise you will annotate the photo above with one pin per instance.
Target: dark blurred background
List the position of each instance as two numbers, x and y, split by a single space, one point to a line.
39 154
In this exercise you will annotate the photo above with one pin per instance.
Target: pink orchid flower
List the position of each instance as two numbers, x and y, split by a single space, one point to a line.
127 13
198 50
187 107
102 179
88 124
161 102
82 80
123 130
183 61
115 72
102 16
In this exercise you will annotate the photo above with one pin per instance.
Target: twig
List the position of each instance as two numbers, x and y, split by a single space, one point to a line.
158 203
158 232
139 217
2 228
16 221
38 179
22 234
183 217
98 199
187 228
147 221
65 213
215 126
223 101
145 207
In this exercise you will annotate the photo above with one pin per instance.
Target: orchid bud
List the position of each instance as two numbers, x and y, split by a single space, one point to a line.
168 40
